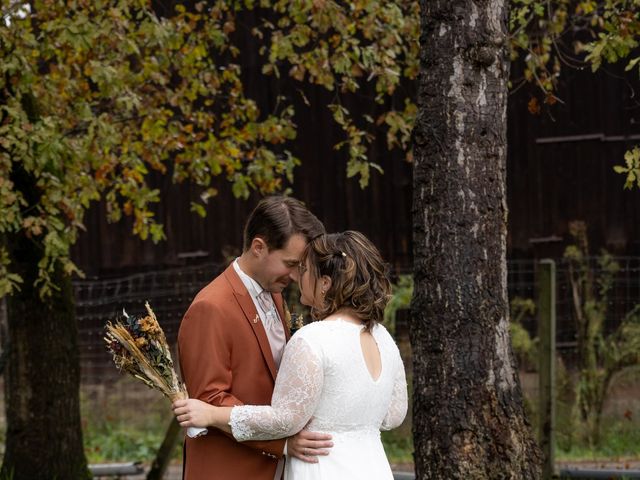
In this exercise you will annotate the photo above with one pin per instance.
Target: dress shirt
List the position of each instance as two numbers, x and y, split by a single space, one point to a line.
266 308
273 327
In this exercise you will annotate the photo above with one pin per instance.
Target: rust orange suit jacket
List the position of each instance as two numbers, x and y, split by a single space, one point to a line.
226 360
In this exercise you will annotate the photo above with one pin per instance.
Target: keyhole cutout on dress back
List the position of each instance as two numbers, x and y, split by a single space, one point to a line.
371 354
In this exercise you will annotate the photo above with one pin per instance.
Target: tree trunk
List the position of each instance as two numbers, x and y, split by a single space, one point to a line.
42 382
469 420
163 455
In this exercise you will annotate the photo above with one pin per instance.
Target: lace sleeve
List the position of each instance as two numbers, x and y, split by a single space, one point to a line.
398 405
295 396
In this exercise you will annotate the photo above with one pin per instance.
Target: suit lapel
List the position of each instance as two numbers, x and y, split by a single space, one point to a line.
251 315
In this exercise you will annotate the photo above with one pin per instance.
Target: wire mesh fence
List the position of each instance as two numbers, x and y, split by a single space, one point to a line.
620 300
171 291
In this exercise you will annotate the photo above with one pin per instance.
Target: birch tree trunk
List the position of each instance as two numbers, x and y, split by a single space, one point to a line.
469 420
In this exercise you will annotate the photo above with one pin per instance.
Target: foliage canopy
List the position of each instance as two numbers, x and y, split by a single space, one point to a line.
96 96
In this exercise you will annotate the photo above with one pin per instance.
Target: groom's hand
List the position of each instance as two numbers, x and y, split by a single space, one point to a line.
306 445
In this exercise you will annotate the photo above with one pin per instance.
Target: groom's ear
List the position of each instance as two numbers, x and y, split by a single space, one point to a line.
258 247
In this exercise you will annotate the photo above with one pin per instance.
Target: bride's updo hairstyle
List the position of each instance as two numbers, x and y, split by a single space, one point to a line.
358 275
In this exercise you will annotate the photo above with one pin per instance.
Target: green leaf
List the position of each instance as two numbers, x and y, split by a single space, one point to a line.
632 63
199 209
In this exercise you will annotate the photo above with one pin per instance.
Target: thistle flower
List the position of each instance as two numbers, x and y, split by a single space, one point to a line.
293 323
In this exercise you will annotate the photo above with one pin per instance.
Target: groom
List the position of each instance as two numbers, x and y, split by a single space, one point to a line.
232 338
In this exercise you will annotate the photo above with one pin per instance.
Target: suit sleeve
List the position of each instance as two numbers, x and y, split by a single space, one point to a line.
204 348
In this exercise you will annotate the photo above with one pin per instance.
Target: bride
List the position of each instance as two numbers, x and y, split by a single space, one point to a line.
342 376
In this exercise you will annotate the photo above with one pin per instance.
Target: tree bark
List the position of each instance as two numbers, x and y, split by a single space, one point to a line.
469 420
163 455
42 382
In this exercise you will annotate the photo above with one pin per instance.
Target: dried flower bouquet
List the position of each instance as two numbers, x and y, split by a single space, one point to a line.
139 347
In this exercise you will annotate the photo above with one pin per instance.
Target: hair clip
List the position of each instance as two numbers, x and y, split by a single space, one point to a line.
343 254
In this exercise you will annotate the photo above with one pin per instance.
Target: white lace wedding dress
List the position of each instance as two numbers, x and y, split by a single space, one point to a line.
324 381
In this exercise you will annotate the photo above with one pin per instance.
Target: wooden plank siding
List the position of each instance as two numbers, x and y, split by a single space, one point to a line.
561 168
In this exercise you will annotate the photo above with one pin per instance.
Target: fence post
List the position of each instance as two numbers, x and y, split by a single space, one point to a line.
547 361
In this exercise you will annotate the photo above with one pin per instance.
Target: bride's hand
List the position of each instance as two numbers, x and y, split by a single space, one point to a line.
193 413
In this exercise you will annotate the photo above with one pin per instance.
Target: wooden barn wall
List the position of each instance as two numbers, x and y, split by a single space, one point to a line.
382 212
557 174
549 184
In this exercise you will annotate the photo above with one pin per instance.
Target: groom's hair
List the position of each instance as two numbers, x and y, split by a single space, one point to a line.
275 219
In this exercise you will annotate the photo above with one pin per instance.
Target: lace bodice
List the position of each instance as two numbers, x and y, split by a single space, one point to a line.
324 378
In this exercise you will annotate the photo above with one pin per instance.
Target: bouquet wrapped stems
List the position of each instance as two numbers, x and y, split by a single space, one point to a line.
139 347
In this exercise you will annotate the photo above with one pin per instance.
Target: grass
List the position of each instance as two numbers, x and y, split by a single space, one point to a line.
620 441
124 422
120 443
398 446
